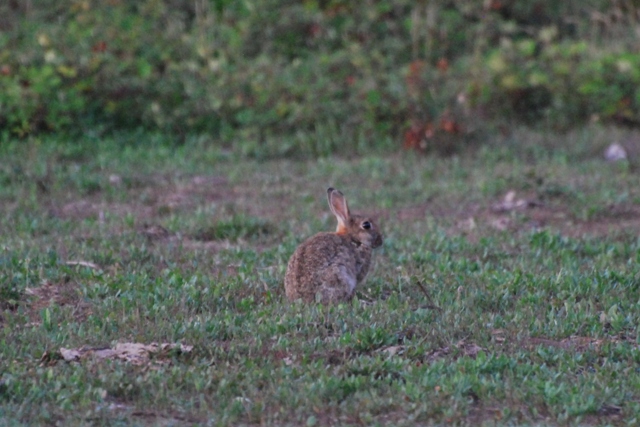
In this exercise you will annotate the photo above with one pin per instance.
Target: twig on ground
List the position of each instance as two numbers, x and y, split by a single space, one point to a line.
431 305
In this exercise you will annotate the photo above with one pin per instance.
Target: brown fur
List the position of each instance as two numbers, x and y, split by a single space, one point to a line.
328 266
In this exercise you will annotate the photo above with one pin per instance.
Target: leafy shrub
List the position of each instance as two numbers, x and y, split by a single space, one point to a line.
564 82
312 76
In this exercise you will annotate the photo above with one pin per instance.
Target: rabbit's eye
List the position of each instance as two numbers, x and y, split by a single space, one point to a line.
366 225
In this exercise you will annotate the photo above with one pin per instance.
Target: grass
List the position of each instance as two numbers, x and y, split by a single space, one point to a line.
526 314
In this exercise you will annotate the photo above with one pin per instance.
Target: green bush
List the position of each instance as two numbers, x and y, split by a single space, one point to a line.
565 82
312 76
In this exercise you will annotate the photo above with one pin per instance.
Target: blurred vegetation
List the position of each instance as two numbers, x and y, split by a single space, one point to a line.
316 76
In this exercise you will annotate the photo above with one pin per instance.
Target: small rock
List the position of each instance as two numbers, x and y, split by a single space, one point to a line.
500 224
615 152
510 203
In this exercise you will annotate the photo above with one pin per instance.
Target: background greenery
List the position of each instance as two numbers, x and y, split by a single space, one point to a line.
275 77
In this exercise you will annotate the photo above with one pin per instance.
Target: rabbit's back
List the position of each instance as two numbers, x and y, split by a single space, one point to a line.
327 264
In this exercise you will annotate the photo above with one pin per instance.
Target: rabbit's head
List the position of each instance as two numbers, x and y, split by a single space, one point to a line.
362 229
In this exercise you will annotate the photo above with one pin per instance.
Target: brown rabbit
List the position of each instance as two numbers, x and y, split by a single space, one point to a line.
328 266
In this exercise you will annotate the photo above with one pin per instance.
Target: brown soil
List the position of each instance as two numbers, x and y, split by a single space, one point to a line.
64 294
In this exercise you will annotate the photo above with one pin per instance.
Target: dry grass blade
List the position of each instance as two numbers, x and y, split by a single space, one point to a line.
431 305
83 264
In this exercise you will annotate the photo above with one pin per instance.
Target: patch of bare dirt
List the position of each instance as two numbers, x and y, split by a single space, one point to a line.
616 219
97 209
514 212
65 293
151 199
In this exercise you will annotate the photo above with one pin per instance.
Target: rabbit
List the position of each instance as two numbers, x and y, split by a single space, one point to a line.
328 266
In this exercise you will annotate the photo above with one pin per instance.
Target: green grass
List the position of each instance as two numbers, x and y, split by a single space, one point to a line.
530 315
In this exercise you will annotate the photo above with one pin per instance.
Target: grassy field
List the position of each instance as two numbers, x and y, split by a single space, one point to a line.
507 290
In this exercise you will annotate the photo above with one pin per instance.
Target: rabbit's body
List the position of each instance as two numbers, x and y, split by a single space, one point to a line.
328 266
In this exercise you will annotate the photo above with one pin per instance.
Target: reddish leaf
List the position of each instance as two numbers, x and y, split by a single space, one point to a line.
449 126
442 65
314 30
496 5
412 137
99 47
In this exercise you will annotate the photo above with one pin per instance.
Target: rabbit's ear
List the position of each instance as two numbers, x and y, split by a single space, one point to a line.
338 205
